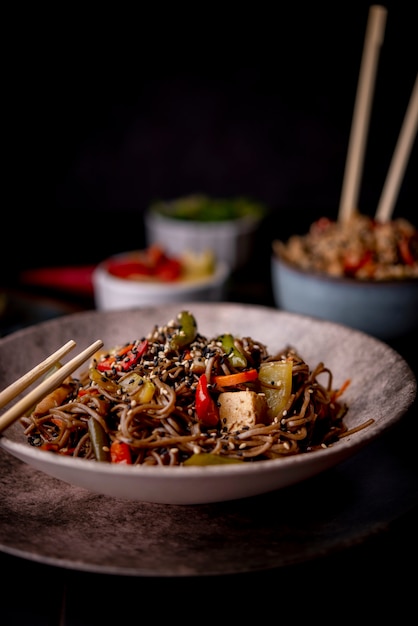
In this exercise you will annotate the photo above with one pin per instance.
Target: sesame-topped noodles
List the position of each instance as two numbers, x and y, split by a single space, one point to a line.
176 397
360 248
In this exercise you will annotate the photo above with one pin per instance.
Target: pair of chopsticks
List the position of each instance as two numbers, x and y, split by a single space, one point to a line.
46 386
349 196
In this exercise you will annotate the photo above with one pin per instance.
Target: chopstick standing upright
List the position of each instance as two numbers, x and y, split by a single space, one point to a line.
355 157
400 158
46 386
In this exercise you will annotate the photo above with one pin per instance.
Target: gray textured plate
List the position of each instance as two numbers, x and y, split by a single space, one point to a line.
45 519
382 387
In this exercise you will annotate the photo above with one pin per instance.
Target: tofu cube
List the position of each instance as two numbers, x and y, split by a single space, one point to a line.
239 409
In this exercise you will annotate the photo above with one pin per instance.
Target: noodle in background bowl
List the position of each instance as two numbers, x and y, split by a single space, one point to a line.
382 387
385 309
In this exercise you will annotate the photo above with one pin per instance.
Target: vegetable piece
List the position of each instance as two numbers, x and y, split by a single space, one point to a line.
353 264
129 269
187 331
125 358
276 383
54 447
99 440
120 452
206 409
84 392
339 392
168 271
54 398
201 208
206 458
163 267
235 357
197 264
405 250
230 380
140 389
38 407
102 380
149 263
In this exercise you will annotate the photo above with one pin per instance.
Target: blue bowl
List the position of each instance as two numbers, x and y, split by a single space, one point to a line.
384 309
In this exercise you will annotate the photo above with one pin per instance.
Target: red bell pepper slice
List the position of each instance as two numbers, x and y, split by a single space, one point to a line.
125 358
206 409
120 452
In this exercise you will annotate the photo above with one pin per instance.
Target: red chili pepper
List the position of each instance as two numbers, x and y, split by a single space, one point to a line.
206 409
125 358
120 452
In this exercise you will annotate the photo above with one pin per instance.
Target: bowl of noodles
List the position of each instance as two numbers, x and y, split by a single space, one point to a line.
194 403
362 273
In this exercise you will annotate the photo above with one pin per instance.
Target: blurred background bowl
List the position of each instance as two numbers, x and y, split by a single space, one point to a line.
113 292
385 309
197 222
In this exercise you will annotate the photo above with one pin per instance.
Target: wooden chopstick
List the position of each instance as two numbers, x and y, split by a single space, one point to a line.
376 24
27 379
400 159
46 386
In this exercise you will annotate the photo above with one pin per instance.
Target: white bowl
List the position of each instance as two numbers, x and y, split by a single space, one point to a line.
385 309
231 240
381 390
112 292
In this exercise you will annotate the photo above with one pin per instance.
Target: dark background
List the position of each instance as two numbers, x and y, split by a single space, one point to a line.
110 110
254 101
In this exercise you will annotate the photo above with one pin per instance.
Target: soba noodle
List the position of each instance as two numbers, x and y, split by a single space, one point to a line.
143 395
